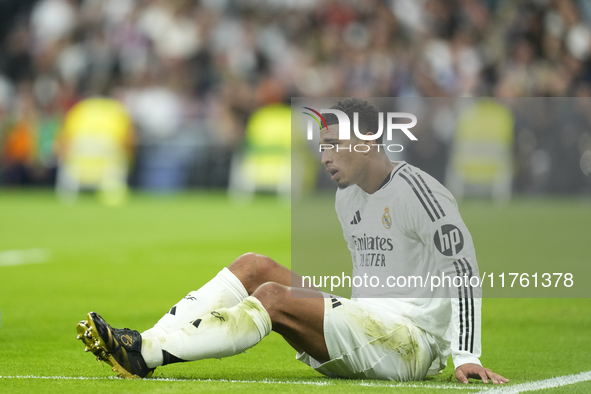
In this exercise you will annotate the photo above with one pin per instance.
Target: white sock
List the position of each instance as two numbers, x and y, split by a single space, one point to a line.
221 333
223 291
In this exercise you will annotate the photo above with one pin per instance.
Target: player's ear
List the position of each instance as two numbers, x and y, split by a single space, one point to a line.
369 144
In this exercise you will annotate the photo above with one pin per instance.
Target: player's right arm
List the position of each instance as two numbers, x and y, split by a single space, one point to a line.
432 215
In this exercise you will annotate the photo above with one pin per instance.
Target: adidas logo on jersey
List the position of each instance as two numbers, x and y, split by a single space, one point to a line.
356 218
335 302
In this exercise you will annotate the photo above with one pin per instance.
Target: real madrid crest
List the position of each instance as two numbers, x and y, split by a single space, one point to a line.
386 218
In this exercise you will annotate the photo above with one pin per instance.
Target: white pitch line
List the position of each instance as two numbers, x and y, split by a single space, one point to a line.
509 389
265 381
542 384
23 256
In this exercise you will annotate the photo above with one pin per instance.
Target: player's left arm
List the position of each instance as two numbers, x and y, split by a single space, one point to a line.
434 216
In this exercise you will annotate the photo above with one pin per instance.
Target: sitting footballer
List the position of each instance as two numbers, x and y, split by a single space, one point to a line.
376 334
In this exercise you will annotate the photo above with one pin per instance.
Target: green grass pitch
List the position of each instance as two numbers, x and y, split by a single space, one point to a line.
132 263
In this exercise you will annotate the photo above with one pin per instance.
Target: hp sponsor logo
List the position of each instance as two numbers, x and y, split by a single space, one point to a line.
449 240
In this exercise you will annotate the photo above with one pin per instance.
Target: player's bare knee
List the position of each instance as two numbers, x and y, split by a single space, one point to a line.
252 270
264 266
271 293
244 260
273 296
253 262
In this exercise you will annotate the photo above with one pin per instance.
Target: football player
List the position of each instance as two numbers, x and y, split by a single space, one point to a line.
390 209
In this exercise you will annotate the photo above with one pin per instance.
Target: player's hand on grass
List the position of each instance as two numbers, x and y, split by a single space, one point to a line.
465 371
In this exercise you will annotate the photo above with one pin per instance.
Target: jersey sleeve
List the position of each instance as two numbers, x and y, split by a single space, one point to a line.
431 215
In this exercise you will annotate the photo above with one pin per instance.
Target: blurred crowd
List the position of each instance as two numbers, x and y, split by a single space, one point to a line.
191 72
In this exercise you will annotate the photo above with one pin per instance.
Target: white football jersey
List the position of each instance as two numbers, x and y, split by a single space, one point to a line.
410 227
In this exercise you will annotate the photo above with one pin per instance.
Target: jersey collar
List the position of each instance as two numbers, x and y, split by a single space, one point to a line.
391 175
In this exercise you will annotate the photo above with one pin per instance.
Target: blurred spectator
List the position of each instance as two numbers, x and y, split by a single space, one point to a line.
189 70
18 145
264 162
94 150
52 20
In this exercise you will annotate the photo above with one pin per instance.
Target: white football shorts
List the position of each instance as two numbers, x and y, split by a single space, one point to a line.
365 341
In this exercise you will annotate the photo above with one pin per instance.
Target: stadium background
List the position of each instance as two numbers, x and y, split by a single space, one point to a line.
192 74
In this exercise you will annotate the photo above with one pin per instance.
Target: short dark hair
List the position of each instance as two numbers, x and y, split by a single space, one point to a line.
368 115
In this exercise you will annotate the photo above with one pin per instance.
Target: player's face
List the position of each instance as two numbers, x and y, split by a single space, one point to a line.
339 157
